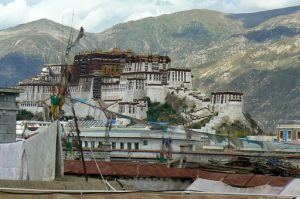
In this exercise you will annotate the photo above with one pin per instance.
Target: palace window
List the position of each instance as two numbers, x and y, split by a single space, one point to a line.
145 142
99 144
93 144
122 145
113 145
289 134
129 146
281 134
136 146
85 144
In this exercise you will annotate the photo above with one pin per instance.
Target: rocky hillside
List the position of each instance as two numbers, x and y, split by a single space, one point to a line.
257 53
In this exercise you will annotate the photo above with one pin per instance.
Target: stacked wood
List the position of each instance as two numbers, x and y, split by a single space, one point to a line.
266 166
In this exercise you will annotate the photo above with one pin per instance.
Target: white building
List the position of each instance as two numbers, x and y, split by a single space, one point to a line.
229 103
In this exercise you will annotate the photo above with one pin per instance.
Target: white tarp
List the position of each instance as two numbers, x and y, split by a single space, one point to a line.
11 166
37 158
292 188
203 185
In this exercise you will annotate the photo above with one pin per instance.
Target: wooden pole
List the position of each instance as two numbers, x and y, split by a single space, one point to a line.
80 144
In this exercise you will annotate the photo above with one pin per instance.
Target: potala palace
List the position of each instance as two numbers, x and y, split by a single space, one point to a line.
121 81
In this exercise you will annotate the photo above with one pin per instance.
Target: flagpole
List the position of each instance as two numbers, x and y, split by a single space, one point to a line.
64 85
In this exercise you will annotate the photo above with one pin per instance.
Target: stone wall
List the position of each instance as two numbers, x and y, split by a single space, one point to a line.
8 111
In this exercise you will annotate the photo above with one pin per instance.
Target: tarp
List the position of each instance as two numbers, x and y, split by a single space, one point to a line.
40 153
11 166
292 189
247 143
37 158
212 186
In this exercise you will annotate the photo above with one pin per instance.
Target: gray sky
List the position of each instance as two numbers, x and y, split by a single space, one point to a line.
98 15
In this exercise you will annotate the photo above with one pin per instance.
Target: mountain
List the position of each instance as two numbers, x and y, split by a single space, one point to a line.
176 35
40 38
257 53
29 46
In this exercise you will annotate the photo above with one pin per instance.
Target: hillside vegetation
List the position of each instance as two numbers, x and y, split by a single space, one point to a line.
170 111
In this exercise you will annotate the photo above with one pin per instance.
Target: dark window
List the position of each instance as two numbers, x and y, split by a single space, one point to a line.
145 142
113 145
99 144
129 146
281 134
85 144
122 145
92 144
289 134
136 146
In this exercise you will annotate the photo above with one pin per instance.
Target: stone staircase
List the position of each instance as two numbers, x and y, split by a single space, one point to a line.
202 111
210 126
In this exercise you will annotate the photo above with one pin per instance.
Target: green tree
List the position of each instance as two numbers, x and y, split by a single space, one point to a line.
24 115
166 112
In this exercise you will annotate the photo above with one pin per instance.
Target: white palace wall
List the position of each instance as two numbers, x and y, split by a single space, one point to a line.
157 93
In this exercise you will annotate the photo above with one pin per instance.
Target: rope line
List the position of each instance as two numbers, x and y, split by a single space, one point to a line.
106 183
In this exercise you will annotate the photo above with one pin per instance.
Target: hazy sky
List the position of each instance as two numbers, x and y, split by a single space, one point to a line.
98 15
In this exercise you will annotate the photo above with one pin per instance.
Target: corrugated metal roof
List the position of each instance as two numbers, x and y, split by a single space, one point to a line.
134 169
130 169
